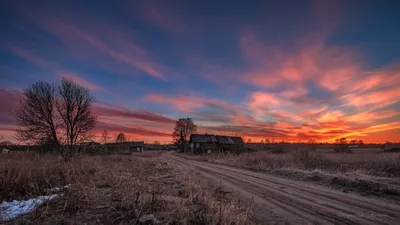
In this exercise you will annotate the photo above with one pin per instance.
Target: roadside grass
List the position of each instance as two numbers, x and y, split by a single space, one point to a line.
383 165
138 189
375 173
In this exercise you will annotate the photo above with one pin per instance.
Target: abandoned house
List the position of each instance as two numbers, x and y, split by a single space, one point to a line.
207 143
230 144
203 143
125 147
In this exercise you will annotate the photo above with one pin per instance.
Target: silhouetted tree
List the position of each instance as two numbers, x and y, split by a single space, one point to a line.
74 107
36 118
120 138
249 140
267 141
56 114
353 142
341 140
360 142
184 127
156 142
104 136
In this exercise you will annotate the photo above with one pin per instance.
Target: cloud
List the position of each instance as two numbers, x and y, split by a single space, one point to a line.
115 49
57 69
188 104
130 114
129 130
80 81
328 65
161 15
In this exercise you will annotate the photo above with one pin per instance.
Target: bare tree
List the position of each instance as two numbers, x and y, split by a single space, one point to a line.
248 140
184 127
156 142
120 138
74 107
55 114
104 136
36 118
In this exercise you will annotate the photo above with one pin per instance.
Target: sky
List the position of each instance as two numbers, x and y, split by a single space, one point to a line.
282 70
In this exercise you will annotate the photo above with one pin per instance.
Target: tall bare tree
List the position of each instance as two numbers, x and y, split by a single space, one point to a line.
55 114
37 117
74 107
184 127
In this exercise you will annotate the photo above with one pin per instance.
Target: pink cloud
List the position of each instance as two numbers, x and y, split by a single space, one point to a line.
113 48
80 81
56 68
32 58
330 66
159 13
187 104
130 114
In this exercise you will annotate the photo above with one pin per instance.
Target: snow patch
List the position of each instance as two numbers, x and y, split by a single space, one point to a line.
11 210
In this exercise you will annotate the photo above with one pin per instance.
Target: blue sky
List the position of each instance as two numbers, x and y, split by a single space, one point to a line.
288 70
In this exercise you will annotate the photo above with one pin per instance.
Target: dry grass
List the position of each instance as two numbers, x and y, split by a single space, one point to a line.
383 165
114 190
369 173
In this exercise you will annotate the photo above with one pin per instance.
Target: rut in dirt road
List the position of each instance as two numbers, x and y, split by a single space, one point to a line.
296 202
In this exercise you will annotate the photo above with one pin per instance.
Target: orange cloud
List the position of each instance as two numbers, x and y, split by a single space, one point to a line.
261 102
330 116
375 99
371 116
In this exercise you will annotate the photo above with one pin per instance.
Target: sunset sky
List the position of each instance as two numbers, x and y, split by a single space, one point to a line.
283 70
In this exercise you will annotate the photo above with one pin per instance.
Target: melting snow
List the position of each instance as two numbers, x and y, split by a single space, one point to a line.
11 210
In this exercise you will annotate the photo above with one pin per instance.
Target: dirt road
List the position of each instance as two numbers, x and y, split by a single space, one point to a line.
284 201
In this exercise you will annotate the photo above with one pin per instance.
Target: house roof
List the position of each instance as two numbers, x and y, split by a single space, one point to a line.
205 138
230 140
224 140
237 140
202 138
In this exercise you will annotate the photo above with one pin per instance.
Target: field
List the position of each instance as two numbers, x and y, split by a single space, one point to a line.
367 170
145 188
160 187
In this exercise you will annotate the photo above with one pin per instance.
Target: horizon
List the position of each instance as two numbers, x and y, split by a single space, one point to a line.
294 72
